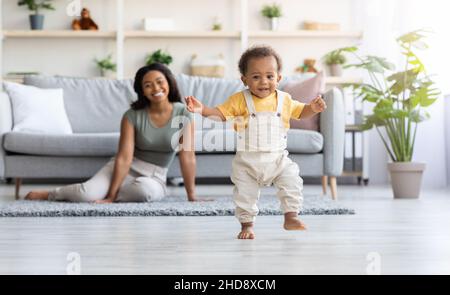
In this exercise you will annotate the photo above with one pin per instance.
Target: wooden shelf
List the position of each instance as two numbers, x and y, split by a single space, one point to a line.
305 34
178 34
182 34
59 34
237 34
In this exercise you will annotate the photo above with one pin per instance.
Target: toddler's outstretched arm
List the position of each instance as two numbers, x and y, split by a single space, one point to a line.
316 106
195 106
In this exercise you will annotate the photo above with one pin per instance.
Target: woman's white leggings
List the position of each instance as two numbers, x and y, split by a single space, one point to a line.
144 182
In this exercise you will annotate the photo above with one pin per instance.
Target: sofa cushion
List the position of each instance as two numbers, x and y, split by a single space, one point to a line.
305 92
106 144
38 110
92 105
304 141
216 140
97 105
81 144
210 91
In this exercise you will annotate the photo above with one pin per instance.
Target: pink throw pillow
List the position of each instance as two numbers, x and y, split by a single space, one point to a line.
305 92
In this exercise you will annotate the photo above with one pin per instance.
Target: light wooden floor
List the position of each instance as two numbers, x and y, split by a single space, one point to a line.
409 237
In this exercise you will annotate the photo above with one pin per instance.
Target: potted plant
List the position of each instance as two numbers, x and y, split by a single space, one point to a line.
273 13
36 19
106 66
335 59
159 56
400 99
217 25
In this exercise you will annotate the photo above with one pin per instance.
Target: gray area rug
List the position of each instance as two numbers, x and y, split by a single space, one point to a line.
170 206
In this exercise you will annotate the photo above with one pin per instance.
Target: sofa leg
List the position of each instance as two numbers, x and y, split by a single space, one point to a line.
333 187
324 184
18 182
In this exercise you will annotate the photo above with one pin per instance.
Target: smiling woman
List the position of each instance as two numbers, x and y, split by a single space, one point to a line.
146 147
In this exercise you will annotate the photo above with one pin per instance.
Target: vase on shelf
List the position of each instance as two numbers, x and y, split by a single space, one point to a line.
37 21
107 74
274 23
336 70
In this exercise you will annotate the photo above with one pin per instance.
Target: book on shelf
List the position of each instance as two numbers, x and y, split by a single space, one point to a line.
349 106
17 77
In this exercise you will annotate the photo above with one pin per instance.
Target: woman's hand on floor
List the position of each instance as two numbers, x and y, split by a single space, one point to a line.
105 201
200 200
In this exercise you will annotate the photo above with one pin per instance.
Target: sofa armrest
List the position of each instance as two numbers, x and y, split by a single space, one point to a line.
5 126
332 127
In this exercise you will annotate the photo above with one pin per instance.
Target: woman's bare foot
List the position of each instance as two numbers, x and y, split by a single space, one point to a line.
291 222
42 195
247 232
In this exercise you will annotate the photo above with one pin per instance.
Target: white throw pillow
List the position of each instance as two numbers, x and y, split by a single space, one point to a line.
38 110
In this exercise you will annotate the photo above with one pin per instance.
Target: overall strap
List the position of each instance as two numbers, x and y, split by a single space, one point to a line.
280 98
249 101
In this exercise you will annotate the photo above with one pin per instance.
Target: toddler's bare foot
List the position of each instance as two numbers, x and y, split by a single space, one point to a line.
247 232
291 222
42 195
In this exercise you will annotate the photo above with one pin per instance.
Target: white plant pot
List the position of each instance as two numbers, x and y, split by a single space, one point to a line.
108 74
274 23
336 70
406 179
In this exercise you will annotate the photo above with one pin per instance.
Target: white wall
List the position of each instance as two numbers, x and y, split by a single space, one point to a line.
430 144
371 18
447 136
383 21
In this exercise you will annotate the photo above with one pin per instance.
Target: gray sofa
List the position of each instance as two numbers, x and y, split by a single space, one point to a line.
95 107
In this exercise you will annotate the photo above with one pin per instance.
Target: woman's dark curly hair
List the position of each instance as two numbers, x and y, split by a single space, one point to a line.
142 101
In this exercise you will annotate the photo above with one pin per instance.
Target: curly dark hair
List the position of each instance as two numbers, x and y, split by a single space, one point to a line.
142 101
258 52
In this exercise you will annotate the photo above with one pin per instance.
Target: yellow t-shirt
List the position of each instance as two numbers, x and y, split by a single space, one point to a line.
235 106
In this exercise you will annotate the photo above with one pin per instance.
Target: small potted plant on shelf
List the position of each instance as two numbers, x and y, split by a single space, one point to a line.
335 59
217 25
159 56
273 13
36 19
106 66
399 98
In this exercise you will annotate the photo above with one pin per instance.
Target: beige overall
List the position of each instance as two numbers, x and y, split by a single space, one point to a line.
262 160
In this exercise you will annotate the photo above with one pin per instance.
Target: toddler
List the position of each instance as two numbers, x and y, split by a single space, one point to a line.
262 114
